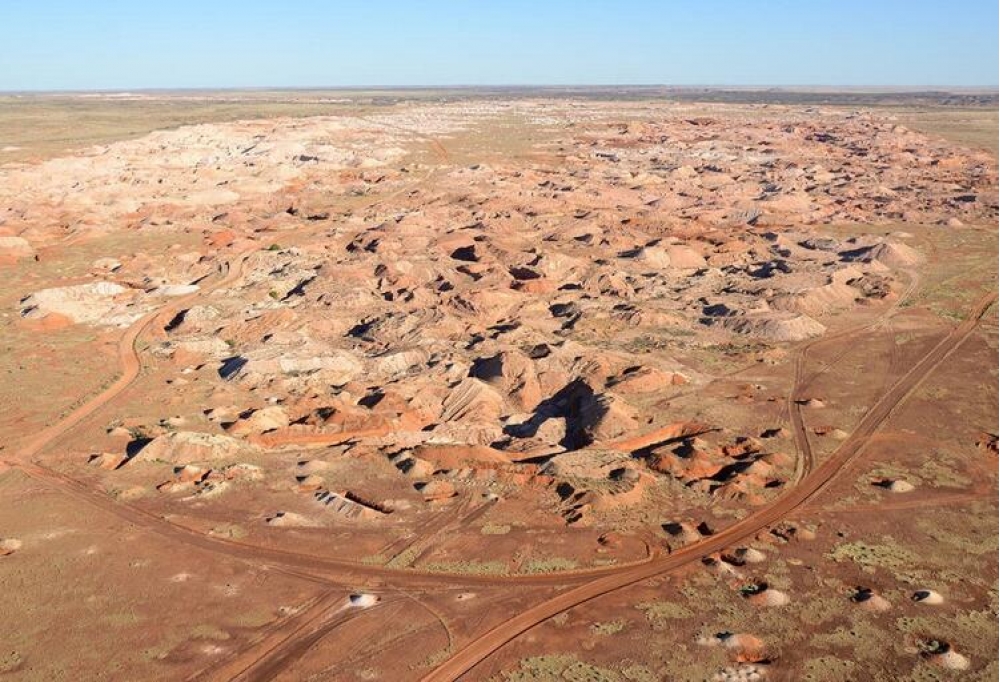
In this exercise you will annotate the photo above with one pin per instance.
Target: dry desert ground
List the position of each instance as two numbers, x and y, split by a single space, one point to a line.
504 386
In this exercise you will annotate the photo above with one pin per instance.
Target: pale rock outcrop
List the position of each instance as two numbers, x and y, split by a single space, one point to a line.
94 303
190 447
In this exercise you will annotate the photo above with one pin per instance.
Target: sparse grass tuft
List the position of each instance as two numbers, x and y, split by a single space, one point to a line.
611 627
10 661
659 613
565 668
469 567
208 631
869 556
548 565
828 669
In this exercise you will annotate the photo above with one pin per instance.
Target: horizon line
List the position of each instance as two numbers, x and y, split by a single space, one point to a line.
830 88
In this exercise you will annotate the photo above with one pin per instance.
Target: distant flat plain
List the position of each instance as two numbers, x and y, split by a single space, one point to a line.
35 126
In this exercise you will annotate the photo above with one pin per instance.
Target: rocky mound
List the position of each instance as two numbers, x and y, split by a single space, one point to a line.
891 254
450 456
820 300
257 367
740 469
471 414
775 327
190 447
762 594
283 519
603 417
513 374
589 463
259 421
870 600
929 597
943 655
92 303
895 485
9 546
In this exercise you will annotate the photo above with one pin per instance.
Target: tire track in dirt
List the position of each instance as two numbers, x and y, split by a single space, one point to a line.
272 638
445 518
268 665
319 569
923 503
805 460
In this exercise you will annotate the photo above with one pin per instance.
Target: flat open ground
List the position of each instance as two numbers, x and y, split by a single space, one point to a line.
559 385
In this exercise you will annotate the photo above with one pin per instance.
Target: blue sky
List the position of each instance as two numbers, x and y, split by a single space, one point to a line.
129 44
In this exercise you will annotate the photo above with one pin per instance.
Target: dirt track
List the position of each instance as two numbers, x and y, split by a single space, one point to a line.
481 648
323 620
277 637
805 461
